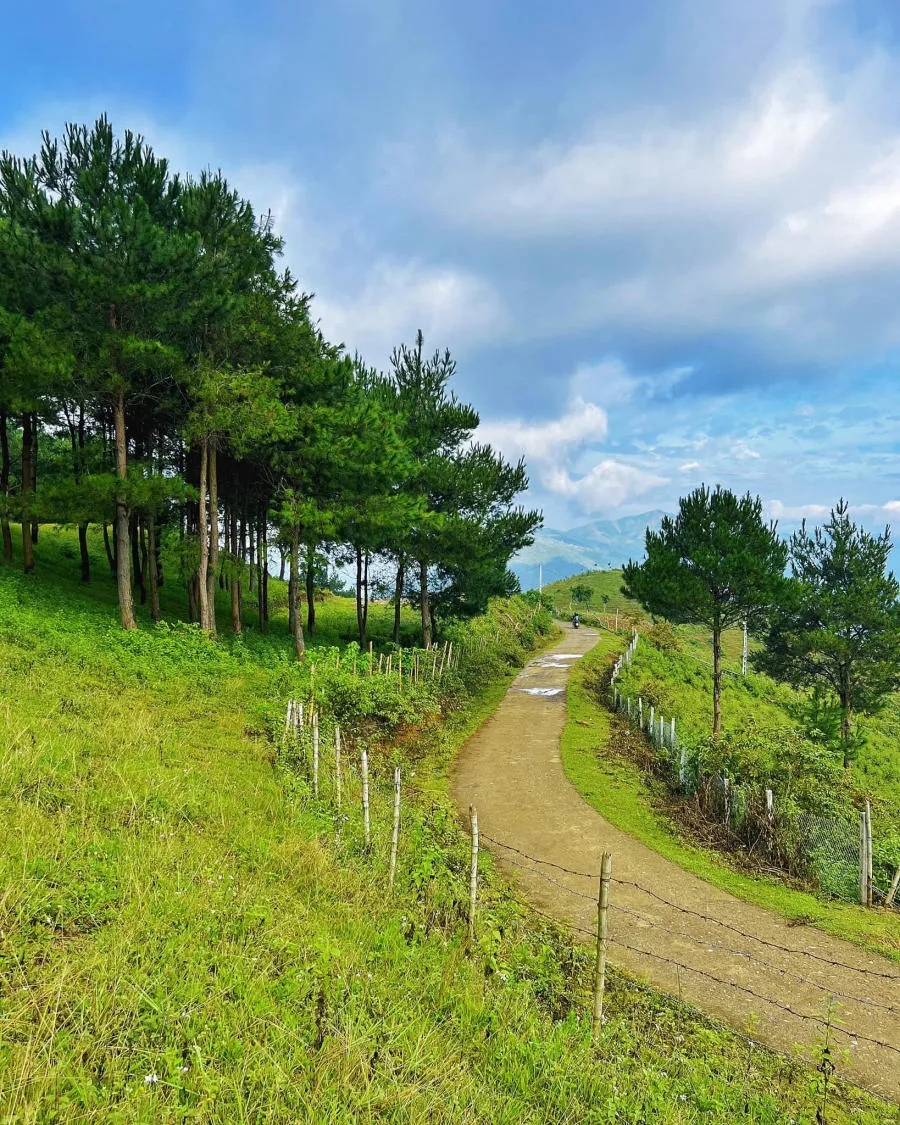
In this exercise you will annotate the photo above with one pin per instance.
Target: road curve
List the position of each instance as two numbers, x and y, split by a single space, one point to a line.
511 771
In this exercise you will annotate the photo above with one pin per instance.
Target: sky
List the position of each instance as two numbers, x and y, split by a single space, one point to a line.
661 239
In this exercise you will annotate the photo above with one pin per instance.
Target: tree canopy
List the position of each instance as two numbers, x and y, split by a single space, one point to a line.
717 563
836 627
161 374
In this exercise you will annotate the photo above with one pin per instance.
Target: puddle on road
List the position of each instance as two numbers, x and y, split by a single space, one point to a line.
541 690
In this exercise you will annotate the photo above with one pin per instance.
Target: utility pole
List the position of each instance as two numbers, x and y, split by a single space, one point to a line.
744 654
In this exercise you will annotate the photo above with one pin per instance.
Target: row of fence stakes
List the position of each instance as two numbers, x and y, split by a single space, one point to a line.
660 735
602 920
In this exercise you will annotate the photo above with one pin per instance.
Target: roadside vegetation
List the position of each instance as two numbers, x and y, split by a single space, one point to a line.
820 739
611 764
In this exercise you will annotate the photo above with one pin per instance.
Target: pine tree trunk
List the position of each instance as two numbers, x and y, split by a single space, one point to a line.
83 551
193 587
282 552
423 596
79 473
252 550
136 569
311 591
202 586
360 625
264 560
153 571
213 563
717 681
234 548
236 623
845 704
226 532
4 488
398 598
27 497
365 595
145 561
34 464
123 566
299 642
110 557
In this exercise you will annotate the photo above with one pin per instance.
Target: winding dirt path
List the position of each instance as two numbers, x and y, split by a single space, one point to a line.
511 771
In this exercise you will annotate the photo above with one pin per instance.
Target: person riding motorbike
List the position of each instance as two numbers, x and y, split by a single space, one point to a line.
575 620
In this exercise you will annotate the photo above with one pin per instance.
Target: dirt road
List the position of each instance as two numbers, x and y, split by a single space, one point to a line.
512 772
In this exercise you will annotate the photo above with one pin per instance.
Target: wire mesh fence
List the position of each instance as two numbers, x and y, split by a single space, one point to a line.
826 851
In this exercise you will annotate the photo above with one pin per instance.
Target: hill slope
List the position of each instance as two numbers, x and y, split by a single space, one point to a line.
189 935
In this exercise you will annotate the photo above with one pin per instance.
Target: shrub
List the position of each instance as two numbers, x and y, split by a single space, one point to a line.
662 636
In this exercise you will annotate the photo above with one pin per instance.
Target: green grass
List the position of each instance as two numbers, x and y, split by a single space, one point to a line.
684 688
606 583
629 799
187 935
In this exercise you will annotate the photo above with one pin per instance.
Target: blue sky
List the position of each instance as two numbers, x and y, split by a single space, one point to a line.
661 238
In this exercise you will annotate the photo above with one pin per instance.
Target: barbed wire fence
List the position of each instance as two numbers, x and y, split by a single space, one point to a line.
832 851
831 1015
371 796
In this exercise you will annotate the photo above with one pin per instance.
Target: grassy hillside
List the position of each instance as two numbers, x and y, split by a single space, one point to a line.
188 935
598 755
603 583
685 679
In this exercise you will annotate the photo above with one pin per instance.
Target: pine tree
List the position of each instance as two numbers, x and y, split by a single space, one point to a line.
715 564
837 626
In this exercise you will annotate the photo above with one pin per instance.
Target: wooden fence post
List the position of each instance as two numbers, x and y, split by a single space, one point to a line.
473 876
602 942
371 657
865 856
315 726
892 890
396 833
869 880
367 831
337 765
289 716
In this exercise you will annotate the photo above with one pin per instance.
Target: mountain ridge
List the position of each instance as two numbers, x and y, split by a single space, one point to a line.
597 544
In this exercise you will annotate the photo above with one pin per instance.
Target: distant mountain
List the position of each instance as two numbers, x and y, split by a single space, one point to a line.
592 546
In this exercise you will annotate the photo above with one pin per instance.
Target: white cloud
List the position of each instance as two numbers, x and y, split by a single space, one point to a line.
736 219
609 484
776 510
548 441
689 467
396 298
